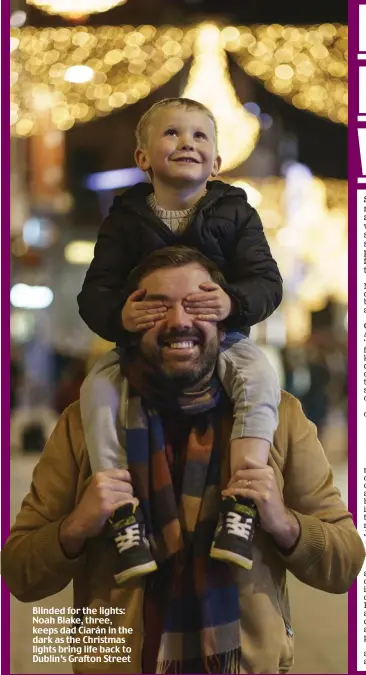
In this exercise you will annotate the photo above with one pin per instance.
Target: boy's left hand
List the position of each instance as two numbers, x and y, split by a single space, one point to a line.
211 305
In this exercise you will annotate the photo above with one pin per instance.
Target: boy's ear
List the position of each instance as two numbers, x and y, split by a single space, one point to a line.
142 159
216 166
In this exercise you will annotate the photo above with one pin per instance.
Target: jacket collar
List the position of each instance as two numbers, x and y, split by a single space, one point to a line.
134 198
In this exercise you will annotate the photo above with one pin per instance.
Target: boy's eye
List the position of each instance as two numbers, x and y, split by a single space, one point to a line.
200 134
170 132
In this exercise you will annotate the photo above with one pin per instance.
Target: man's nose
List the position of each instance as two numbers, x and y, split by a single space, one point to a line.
177 317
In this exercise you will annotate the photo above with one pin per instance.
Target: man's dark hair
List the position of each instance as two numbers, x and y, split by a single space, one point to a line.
175 256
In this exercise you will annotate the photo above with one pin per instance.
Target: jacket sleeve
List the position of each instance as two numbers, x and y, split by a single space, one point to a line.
329 553
34 565
101 298
255 283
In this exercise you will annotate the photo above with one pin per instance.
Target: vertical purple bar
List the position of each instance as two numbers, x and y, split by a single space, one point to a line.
353 173
5 321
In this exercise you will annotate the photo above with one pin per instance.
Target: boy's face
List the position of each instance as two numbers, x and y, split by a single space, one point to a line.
180 148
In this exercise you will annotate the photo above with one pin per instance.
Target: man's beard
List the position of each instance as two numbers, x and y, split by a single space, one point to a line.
201 370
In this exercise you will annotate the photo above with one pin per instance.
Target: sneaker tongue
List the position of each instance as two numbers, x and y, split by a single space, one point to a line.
124 511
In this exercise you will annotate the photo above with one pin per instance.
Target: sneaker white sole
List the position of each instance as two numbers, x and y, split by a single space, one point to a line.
137 571
229 556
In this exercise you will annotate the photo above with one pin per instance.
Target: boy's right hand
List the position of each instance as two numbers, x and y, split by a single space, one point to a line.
139 315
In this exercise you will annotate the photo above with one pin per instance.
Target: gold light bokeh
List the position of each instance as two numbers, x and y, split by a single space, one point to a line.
209 82
128 64
305 65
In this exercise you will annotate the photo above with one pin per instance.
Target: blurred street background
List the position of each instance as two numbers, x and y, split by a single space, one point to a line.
275 77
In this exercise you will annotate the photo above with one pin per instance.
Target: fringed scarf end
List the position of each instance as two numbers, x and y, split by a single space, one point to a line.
226 664
164 666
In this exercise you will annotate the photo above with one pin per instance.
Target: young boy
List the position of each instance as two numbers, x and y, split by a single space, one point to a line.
177 146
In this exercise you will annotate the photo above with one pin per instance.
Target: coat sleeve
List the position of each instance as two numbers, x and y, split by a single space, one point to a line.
101 298
255 283
329 553
34 565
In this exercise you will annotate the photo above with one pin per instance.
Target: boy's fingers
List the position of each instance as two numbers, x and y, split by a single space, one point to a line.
156 310
148 318
150 305
145 326
209 286
137 295
201 297
207 317
203 306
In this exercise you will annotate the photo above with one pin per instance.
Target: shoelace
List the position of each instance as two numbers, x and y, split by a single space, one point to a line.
129 539
235 525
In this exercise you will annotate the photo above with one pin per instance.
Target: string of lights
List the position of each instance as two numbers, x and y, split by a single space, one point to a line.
218 94
305 65
82 72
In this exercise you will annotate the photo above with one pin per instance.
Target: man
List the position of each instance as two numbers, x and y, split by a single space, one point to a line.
194 614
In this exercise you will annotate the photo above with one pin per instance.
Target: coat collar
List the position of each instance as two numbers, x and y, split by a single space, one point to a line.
134 198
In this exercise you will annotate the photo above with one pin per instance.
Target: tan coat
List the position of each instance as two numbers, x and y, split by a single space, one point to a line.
328 555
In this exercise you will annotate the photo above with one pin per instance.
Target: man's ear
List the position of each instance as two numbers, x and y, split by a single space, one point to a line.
142 159
216 166
222 333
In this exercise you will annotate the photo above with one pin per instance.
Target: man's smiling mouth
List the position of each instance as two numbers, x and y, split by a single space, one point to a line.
182 344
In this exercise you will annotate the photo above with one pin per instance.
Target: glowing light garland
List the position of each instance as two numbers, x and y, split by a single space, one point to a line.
127 64
238 130
305 65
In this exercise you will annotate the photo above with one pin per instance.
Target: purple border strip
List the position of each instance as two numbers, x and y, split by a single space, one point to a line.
353 170
353 165
5 325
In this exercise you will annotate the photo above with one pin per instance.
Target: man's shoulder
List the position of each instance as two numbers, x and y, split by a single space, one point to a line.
289 404
292 422
73 413
70 429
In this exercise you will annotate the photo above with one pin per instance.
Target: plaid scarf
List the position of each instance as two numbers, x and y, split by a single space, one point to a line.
201 613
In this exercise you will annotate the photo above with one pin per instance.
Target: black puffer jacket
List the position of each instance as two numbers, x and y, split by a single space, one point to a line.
225 228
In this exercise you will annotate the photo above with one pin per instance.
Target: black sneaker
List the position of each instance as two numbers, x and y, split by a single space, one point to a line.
128 532
234 533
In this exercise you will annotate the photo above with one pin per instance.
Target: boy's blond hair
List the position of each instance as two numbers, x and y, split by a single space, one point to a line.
142 129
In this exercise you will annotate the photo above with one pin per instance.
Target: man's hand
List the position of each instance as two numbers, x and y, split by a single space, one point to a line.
139 315
212 305
106 492
257 482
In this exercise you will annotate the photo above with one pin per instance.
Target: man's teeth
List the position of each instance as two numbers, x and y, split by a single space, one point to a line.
186 344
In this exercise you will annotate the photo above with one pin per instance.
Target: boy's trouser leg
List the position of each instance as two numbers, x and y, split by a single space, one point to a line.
251 383
101 413
100 404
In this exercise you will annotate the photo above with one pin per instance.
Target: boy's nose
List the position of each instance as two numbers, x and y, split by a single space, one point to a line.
186 143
